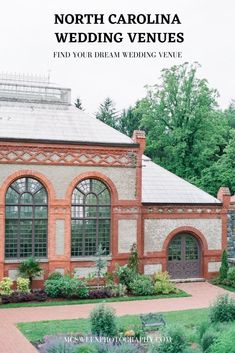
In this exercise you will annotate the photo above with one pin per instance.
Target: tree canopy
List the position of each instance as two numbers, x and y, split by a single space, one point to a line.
186 131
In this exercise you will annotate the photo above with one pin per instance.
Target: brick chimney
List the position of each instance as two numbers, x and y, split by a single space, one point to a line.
139 137
224 196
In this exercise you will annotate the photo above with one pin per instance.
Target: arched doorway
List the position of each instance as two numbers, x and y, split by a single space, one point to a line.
184 257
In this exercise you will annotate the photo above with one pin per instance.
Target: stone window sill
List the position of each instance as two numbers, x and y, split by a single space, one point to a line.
18 261
89 258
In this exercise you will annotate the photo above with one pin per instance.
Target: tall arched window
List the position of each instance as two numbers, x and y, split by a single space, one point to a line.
26 219
90 218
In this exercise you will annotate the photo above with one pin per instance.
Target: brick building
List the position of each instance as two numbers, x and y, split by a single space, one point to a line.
68 183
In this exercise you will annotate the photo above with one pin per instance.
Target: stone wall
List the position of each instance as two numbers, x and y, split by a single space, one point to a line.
157 230
231 234
124 179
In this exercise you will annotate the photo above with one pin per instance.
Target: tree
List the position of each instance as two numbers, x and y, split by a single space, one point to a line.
185 131
78 104
30 268
108 114
221 172
101 263
133 261
224 266
130 120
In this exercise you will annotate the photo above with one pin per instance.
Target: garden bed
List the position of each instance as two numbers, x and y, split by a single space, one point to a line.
61 301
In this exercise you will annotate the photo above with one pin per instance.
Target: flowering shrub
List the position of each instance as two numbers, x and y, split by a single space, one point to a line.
22 285
162 283
5 286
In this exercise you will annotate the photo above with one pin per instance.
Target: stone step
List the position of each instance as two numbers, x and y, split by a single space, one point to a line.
185 280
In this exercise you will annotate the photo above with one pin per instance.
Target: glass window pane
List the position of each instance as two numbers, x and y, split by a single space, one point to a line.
97 186
85 186
104 198
40 212
25 238
26 224
191 248
77 238
19 185
11 238
90 237
90 211
91 199
26 198
11 212
77 197
33 185
174 251
12 196
40 197
91 218
77 211
104 212
40 238
26 212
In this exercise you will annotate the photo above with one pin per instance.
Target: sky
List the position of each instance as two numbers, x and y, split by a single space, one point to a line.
27 43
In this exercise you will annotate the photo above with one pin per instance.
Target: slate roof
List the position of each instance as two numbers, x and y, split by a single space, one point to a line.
161 186
55 123
29 111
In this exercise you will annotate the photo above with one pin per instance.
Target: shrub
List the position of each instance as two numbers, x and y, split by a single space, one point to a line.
216 280
55 276
101 263
100 293
223 272
56 345
177 343
86 348
53 287
192 350
231 276
163 285
142 285
204 326
18 297
30 268
119 290
73 287
125 275
225 343
39 295
209 338
133 261
22 285
223 309
103 321
5 286
66 287
119 348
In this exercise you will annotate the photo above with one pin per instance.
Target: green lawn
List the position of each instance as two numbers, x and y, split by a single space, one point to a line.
93 301
35 331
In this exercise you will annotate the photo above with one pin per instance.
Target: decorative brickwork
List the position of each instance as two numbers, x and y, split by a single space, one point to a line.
27 154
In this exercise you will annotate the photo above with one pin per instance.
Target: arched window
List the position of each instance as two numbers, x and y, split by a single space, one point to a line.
90 218
26 219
